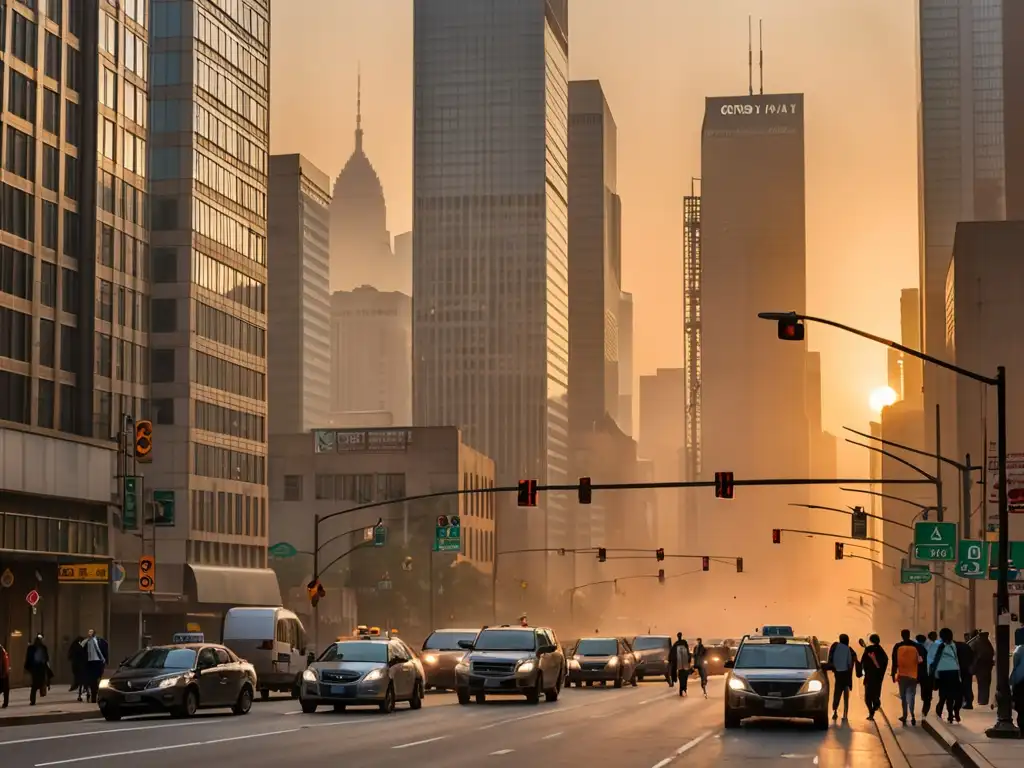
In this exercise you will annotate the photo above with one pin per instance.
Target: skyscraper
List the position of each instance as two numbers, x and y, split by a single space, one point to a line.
210 134
299 350
490 221
626 383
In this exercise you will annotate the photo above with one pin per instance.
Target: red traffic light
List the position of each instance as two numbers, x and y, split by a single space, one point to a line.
776 535
659 553
839 550
442 521
791 329
527 493
585 493
723 485
705 563
661 575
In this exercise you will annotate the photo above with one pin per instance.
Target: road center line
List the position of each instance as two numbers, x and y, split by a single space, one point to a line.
502 752
418 743
167 748
58 736
551 735
682 750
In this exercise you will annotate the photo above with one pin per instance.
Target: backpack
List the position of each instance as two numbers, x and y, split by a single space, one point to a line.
907 658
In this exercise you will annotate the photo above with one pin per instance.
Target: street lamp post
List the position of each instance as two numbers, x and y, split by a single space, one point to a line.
790 328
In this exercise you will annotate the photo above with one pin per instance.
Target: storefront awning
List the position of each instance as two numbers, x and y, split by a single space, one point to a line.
216 585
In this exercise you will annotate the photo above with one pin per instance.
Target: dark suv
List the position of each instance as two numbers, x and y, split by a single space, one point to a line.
511 660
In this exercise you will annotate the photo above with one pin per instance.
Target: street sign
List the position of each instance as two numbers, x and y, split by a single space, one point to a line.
32 598
163 512
380 535
448 539
972 559
934 541
1016 560
130 503
915 575
859 524
94 573
281 551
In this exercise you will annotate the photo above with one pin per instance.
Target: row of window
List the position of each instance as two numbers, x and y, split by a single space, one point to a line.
217 325
122 199
227 281
15 335
16 401
224 89
215 512
230 48
226 464
135 48
229 232
16 273
246 16
226 136
229 421
210 371
363 489
225 182
115 141
129 258
120 360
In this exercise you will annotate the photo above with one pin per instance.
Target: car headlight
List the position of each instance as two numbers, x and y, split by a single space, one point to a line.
813 686
715 658
737 684
430 659
309 675
374 674
166 682
613 661
104 683
525 666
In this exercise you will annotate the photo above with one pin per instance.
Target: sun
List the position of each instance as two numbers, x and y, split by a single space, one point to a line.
882 397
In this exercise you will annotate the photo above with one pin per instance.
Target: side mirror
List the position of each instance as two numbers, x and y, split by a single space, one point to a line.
466 645
547 649
310 658
730 664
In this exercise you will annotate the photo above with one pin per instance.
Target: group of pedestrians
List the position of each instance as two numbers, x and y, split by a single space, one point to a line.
683 663
88 656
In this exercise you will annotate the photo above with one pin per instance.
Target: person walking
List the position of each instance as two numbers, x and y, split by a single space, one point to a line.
945 669
96 661
873 661
77 659
931 643
37 664
1017 678
673 659
5 677
843 662
965 656
684 661
700 654
984 660
907 660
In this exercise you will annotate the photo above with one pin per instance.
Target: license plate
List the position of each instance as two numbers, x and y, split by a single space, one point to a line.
341 690
132 698
772 704
492 683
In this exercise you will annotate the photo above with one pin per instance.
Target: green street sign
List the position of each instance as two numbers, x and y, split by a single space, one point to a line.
130 503
914 575
972 559
380 535
448 538
1016 559
934 541
163 513
282 550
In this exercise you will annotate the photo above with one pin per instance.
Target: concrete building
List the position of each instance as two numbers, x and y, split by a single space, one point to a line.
662 440
490 230
371 358
403 260
209 123
74 308
331 470
299 347
627 381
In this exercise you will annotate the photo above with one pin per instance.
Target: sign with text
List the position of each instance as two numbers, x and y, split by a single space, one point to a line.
972 559
91 573
1014 486
448 538
934 541
361 440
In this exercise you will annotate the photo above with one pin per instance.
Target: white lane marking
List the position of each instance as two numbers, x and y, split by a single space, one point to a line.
167 748
296 712
552 735
57 736
503 752
509 720
418 743
682 750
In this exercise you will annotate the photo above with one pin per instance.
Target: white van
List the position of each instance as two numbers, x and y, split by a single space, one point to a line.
274 641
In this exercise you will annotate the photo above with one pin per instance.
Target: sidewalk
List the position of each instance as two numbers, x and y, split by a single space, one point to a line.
58 706
967 740
908 746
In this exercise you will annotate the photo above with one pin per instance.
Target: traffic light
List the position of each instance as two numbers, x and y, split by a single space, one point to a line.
859 523
602 554
316 591
776 535
659 553
705 563
144 441
839 550
527 493
723 485
739 565
147 573
661 575
585 492
791 329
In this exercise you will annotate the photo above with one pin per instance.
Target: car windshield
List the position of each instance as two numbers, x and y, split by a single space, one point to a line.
505 640
775 656
356 651
597 646
649 643
447 641
777 630
163 658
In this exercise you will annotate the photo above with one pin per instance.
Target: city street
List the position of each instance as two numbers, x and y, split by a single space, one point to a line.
645 727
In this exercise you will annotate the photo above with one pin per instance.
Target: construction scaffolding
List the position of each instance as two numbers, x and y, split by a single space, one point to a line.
692 330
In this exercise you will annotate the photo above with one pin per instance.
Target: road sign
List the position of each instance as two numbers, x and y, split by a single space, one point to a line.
380 535
163 512
972 559
859 524
915 575
282 550
32 598
95 573
448 538
934 541
147 573
1016 560
1014 487
130 503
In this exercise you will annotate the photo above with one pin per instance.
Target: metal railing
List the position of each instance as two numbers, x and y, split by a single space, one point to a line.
53 535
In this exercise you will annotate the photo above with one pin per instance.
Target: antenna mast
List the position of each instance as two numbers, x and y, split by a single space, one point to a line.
760 46
750 55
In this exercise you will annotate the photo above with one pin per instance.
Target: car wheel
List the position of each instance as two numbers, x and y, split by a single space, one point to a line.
339 707
463 695
111 714
264 694
308 707
416 702
190 705
244 703
388 705
533 696
732 720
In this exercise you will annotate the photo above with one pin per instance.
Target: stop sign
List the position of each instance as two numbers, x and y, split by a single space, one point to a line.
32 598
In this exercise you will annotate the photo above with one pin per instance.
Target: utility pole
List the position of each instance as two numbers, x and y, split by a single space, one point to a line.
939 602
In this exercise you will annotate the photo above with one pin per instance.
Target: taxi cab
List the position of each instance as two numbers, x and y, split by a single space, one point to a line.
367 668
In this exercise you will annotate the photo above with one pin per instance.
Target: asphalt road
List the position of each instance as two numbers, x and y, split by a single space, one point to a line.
645 727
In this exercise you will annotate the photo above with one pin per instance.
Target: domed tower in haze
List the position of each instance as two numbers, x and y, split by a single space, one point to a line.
360 242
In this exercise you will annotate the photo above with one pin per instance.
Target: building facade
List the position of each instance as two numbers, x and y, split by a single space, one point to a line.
371 358
662 441
490 243
627 382
299 348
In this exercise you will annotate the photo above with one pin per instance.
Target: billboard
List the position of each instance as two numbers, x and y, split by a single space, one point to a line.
1014 486
742 115
361 440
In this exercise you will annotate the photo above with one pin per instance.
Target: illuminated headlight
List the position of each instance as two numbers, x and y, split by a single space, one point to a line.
714 658
737 684
374 674
525 666
104 683
309 675
167 682
430 659
612 662
813 686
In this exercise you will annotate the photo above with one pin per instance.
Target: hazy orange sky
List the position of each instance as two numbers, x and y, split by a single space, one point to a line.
658 59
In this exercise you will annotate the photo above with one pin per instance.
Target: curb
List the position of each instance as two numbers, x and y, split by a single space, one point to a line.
889 742
965 753
49 718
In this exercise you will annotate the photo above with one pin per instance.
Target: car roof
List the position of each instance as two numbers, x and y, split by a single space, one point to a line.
599 637
474 630
513 629
663 637
186 646
776 640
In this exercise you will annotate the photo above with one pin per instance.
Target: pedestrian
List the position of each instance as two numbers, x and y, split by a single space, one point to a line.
842 660
907 659
96 661
965 656
700 654
874 661
984 660
5 676
1017 678
945 670
523 622
684 662
37 664
77 659
931 645
673 659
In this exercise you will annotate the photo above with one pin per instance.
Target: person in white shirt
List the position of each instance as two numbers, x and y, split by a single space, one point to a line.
96 661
